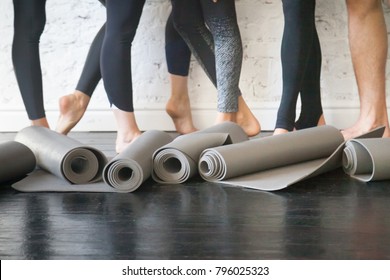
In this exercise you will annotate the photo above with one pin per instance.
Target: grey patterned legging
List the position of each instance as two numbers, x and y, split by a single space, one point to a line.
211 31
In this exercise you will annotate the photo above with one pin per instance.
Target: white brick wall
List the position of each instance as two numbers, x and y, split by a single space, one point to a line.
71 26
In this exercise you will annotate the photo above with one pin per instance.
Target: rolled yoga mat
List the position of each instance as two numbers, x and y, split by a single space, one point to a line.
177 162
276 162
128 170
63 156
367 159
137 157
16 161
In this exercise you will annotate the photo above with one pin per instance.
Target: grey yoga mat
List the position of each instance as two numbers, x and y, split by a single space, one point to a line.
367 159
177 161
63 156
276 162
16 161
128 170
124 173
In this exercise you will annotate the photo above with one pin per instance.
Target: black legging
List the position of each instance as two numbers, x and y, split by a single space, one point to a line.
30 19
122 23
218 48
178 57
177 53
91 75
301 66
29 22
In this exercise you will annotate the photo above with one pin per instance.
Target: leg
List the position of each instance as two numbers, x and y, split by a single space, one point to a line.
178 106
128 129
73 106
29 22
297 42
311 111
368 45
222 21
221 18
190 22
178 57
122 22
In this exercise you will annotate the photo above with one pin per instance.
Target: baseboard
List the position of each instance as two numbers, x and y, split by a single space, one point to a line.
103 120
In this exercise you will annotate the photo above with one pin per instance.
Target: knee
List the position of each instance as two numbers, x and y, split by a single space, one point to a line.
224 27
186 26
362 8
37 27
298 8
122 33
30 28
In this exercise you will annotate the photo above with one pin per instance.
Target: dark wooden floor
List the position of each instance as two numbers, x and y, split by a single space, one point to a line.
328 217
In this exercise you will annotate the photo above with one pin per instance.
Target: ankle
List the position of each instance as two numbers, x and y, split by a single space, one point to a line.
278 131
125 139
40 122
178 100
82 99
226 117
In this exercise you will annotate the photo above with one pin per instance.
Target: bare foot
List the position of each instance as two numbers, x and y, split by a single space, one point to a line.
364 125
40 122
226 117
122 144
246 119
359 128
179 109
128 129
72 109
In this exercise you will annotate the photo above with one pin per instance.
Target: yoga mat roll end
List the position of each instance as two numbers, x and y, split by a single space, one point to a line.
84 165
125 175
16 160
